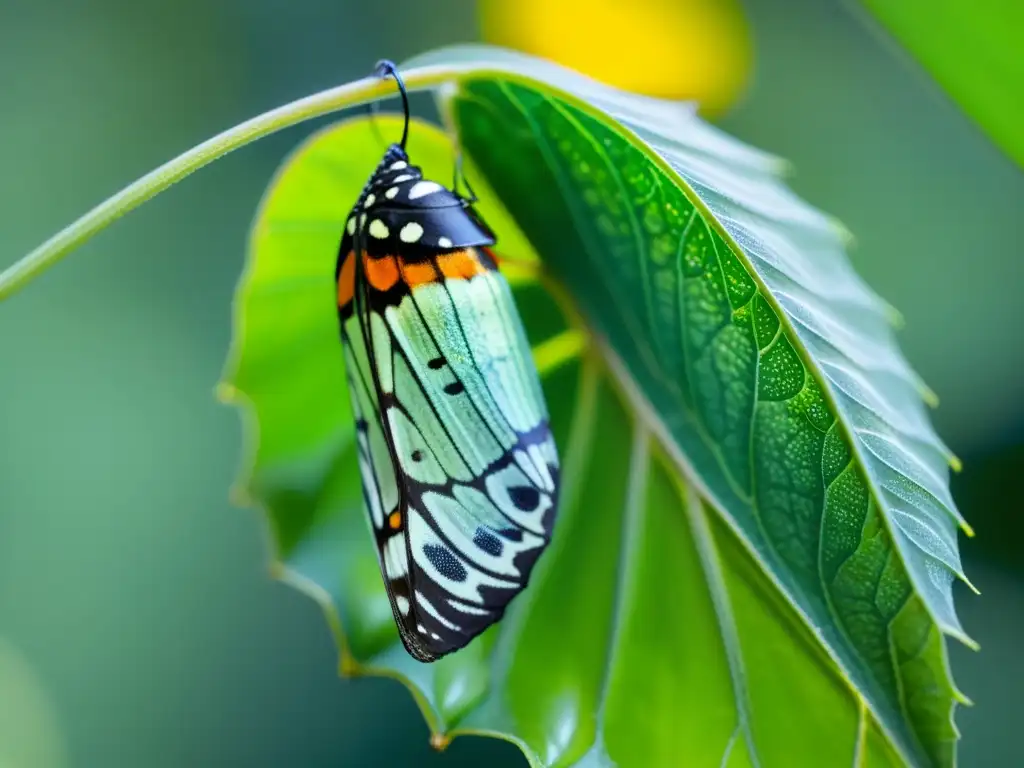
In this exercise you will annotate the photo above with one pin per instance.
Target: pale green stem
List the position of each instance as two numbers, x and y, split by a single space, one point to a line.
156 181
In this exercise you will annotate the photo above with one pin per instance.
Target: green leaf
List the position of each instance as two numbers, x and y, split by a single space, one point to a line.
756 545
973 51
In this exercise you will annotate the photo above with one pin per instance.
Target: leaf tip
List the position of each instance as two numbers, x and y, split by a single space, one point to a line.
970 586
956 465
846 237
225 392
962 698
931 399
783 168
964 638
440 741
899 322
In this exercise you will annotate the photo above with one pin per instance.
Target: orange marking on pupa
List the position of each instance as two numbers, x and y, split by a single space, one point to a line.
460 265
418 273
381 273
347 280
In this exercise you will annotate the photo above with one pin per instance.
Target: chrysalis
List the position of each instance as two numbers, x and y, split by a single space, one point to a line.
459 467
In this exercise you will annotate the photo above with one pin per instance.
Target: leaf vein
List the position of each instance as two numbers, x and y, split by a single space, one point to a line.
710 561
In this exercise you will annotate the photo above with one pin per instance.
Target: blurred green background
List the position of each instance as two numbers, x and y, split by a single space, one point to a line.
138 624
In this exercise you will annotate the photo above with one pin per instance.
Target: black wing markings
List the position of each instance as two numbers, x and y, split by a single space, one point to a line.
425 630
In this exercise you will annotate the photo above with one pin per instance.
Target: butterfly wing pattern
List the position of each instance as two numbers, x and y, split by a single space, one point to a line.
459 468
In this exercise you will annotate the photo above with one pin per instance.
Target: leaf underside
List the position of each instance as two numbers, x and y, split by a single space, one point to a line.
754 553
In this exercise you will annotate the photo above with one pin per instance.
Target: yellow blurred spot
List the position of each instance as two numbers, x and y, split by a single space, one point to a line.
677 49
348 666
395 520
225 392
439 741
560 349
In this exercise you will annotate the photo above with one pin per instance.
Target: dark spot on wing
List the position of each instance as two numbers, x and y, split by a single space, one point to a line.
512 534
488 542
417 455
454 388
442 558
526 497
437 362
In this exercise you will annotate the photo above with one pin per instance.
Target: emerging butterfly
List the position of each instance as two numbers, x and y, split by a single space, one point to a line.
459 467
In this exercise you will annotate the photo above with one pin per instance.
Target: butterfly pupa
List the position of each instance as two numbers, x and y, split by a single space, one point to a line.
459 468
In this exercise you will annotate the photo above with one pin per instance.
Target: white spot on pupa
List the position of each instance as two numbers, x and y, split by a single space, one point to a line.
411 232
390 194
420 628
351 228
435 635
403 177
369 200
429 608
444 242
379 229
396 562
398 165
424 188
403 604
466 608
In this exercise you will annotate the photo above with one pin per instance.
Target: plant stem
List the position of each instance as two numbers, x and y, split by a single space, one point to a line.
156 181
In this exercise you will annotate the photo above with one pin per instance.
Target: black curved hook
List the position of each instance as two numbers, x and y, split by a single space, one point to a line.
384 68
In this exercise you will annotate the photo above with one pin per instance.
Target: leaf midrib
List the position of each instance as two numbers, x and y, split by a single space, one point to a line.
645 350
